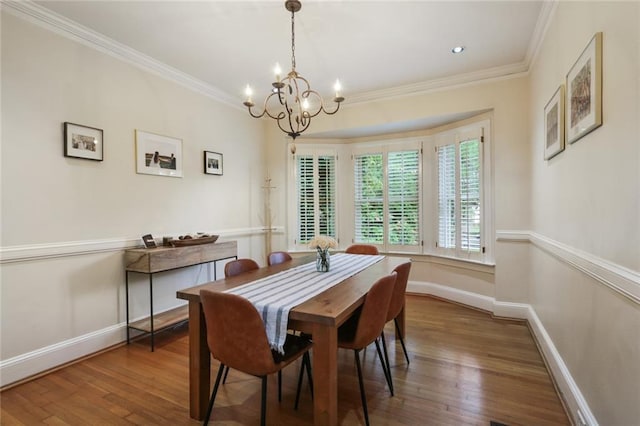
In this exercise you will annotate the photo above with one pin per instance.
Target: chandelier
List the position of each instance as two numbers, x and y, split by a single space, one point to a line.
292 102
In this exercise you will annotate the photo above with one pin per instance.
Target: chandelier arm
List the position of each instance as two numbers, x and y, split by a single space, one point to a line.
331 112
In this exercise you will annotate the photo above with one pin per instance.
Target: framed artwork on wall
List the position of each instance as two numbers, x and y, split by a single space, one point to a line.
83 142
584 91
554 124
212 163
158 155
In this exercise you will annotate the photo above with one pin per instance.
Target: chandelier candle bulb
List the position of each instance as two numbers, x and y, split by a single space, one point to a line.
248 93
277 71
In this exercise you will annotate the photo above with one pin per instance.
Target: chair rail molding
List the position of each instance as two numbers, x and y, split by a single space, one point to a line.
23 253
618 278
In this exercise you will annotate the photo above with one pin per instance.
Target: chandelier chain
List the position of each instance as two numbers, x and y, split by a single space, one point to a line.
293 41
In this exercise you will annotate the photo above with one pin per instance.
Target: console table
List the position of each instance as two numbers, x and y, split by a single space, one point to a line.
160 259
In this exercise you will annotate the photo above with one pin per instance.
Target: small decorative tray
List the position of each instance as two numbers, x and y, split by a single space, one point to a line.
194 241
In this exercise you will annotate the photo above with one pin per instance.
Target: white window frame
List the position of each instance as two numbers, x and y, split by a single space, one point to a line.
315 151
482 131
384 148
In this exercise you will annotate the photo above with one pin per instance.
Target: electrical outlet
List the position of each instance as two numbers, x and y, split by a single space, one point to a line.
581 419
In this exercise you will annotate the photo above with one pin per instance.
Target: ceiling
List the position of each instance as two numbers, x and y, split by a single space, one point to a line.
378 49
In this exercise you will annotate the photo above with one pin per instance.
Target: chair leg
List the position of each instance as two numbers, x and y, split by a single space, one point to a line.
295 406
362 394
385 363
399 334
309 375
279 385
213 395
306 365
226 373
263 406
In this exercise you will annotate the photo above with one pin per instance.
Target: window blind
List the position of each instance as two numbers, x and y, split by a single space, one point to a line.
403 197
470 196
447 196
306 198
369 201
327 195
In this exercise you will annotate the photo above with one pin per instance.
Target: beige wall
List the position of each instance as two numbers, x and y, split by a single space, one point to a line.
587 198
49 201
510 167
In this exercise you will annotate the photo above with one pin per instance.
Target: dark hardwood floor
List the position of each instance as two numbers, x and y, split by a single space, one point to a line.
466 368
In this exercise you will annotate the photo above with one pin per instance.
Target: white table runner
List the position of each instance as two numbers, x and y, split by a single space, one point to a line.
276 295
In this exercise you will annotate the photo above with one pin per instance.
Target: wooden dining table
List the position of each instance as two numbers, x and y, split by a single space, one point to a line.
319 316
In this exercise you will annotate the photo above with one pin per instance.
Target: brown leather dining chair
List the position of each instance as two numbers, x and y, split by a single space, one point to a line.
237 338
365 326
395 307
238 266
277 257
362 249
231 269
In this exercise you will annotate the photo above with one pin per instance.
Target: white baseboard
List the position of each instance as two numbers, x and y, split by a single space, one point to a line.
569 389
567 386
26 365
465 297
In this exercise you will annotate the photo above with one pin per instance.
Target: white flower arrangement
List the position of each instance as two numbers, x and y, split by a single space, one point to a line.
323 242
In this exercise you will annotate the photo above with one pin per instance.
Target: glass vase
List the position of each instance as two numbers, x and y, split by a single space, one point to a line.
323 260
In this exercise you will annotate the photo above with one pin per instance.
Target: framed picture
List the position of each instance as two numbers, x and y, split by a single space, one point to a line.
584 91
158 155
83 142
212 163
554 124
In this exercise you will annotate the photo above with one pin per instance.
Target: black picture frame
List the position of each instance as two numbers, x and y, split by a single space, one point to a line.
213 163
83 142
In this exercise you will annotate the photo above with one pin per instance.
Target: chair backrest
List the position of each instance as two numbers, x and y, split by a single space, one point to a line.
236 334
276 257
399 290
238 266
362 249
373 314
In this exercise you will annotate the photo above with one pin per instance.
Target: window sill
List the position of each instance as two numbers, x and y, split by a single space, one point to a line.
471 265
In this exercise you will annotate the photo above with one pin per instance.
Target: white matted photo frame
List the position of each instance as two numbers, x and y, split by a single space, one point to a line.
554 124
584 91
83 142
158 155
212 163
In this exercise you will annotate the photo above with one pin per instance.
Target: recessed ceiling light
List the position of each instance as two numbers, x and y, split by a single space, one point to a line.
457 49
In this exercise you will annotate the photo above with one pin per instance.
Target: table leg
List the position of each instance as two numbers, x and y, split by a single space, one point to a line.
199 362
325 375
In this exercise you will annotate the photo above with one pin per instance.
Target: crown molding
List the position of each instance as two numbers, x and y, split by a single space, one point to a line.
544 20
58 24
456 81
54 22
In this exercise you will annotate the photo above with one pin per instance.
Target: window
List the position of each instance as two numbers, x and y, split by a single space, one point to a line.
426 195
316 196
369 202
387 198
459 166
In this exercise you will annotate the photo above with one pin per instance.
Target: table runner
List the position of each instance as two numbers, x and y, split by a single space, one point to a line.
274 296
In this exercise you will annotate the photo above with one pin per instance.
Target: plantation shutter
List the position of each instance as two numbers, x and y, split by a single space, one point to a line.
327 195
447 196
369 199
403 197
470 184
306 199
